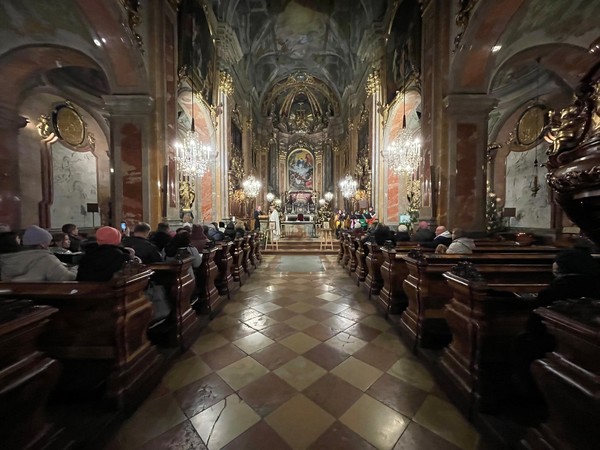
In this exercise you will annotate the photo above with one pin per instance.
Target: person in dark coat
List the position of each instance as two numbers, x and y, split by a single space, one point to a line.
197 238
257 214
161 237
72 231
230 233
577 275
402 234
423 233
101 262
144 249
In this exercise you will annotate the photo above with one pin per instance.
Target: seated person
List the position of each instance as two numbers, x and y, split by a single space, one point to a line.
197 238
71 230
34 262
161 236
213 234
460 244
144 249
60 243
103 260
442 236
423 233
576 275
230 232
402 234
181 246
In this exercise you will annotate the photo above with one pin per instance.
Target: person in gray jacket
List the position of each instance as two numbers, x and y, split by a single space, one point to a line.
34 262
460 244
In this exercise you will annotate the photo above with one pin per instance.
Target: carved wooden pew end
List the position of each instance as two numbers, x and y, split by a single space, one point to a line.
99 327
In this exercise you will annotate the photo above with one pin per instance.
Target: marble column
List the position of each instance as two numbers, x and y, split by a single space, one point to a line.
378 174
467 159
130 130
435 57
10 187
221 170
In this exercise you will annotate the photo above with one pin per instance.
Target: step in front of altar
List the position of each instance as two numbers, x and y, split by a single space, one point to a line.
305 246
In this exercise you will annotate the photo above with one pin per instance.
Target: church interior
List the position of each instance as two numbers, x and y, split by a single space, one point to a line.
309 124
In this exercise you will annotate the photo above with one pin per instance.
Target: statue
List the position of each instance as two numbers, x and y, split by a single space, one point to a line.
186 195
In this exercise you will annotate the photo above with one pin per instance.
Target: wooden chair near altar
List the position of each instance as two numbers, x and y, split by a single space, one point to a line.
326 237
270 237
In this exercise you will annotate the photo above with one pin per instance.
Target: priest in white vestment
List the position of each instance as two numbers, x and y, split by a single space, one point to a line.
275 228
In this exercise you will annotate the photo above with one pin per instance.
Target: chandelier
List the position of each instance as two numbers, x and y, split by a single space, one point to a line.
328 196
251 186
404 153
270 197
193 155
348 186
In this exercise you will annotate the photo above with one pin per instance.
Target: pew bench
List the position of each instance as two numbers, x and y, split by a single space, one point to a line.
185 325
485 320
423 323
99 333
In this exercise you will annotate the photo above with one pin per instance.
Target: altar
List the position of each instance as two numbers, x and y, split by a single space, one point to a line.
297 229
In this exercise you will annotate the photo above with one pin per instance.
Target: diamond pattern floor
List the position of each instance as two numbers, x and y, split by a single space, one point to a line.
297 361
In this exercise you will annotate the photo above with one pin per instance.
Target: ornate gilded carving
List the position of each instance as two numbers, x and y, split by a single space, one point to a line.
134 19
92 141
226 83
417 255
187 194
574 179
44 126
373 82
462 20
236 173
467 270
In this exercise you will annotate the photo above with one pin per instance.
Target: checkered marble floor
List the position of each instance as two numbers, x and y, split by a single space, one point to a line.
297 361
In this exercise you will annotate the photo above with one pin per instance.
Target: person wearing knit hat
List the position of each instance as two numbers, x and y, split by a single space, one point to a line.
108 236
101 262
35 262
35 236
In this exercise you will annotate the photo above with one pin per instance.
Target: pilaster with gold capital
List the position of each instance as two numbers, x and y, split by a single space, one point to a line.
10 185
467 159
130 119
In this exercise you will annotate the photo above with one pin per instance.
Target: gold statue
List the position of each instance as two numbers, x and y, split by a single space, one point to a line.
186 195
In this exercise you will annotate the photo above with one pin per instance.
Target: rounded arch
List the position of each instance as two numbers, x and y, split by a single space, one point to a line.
202 116
397 110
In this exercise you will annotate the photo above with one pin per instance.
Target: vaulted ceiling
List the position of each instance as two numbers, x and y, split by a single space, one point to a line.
321 38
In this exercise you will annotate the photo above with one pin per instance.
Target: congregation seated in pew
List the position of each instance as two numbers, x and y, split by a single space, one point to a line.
34 262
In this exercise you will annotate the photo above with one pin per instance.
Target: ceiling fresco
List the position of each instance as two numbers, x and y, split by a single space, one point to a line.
282 37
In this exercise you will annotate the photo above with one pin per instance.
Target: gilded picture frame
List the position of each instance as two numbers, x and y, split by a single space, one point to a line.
531 124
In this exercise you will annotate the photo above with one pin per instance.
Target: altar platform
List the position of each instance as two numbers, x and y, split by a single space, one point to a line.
301 246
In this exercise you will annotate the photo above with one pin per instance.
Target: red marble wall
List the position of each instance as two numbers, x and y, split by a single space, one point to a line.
466 164
131 157
171 114
206 196
393 197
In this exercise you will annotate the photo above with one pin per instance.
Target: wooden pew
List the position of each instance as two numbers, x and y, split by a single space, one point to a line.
374 259
485 319
257 244
224 261
99 333
237 253
361 263
27 376
353 243
181 290
340 254
568 378
422 322
209 300
392 299
247 255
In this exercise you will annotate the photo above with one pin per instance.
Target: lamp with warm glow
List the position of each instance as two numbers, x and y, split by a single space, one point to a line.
270 197
348 186
328 196
251 186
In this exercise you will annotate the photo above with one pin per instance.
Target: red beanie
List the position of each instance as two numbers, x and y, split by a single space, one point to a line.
108 236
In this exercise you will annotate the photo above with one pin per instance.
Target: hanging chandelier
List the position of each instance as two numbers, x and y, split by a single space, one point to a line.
404 153
348 186
193 155
270 197
328 196
251 186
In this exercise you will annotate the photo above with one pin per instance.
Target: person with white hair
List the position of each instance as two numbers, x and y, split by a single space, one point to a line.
34 262
402 234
